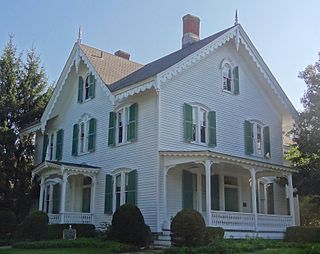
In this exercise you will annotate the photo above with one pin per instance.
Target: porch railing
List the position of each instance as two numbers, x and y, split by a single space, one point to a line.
71 218
245 221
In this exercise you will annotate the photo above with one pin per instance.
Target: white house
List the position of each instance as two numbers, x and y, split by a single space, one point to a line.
200 128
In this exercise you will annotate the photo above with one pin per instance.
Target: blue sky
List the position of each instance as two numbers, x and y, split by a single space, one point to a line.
286 33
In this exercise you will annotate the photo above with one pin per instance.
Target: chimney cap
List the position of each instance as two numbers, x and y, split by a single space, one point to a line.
189 16
122 54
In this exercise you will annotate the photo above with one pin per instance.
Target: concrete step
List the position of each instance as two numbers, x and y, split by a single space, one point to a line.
164 238
161 243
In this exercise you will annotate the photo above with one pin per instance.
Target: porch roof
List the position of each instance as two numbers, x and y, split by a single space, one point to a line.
60 166
220 157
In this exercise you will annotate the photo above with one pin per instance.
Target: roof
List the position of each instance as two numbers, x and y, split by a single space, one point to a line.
163 63
72 164
110 68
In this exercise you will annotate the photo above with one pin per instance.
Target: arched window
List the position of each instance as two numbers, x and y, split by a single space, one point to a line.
230 77
227 77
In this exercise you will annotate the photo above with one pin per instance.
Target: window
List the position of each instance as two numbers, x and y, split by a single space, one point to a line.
257 139
86 90
231 193
199 124
123 125
51 146
84 135
86 194
121 188
230 77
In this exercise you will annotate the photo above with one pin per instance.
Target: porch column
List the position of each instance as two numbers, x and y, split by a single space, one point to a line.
254 197
41 194
208 190
166 224
93 194
292 212
63 195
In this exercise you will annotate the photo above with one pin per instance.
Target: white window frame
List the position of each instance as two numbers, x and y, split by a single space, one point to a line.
85 78
227 63
124 181
124 110
48 187
255 125
84 120
52 146
197 113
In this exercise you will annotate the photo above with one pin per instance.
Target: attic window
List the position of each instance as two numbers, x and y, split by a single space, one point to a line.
227 77
230 77
86 90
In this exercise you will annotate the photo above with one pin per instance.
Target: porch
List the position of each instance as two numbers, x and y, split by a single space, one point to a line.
245 197
67 192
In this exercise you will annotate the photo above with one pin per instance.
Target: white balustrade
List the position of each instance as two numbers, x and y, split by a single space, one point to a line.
71 218
274 223
245 221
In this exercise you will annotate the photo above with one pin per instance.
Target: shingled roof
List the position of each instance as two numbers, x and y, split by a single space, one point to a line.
109 67
163 63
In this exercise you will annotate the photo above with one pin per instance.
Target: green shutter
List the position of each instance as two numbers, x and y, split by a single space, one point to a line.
92 135
75 138
92 83
248 134
266 139
133 118
187 189
212 129
56 193
132 187
112 129
59 144
236 80
80 90
215 189
44 147
108 195
187 112
86 199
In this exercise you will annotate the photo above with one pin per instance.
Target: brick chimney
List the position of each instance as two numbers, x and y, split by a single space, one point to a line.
122 54
191 28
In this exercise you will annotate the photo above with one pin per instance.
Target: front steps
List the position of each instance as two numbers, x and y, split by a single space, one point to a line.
162 240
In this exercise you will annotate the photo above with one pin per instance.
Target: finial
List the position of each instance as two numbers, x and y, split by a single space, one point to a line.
236 18
79 35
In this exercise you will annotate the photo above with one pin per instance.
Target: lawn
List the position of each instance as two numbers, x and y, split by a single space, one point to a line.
279 251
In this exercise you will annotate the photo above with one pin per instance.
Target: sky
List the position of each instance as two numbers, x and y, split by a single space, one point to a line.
286 33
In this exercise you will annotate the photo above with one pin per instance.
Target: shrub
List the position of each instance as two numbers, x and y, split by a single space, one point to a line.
302 234
7 224
34 227
187 228
212 234
83 230
128 226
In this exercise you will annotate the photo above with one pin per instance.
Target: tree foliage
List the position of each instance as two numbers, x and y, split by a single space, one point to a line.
23 95
305 154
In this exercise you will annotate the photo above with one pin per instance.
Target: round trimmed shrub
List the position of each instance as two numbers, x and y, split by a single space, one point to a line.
34 227
8 222
128 226
187 228
212 234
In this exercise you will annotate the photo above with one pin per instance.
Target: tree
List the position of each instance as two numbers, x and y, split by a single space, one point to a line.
305 154
23 95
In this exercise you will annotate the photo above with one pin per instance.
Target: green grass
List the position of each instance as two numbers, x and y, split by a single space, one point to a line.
278 251
57 251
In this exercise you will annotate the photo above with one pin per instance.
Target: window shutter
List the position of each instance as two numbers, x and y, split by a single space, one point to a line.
80 90
92 83
187 189
212 129
112 129
44 147
187 111
248 134
215 200
56 198
236 80
132 187
75 138
92 135
133 118
108 195
59 144
266 139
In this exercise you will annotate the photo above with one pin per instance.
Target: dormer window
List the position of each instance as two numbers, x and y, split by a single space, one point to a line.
257 139
86 90
199 125
230 77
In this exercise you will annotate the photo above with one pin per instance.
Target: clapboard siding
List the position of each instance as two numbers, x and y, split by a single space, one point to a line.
141 155
201 83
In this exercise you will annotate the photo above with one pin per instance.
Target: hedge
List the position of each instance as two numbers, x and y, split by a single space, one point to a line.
8 224
83 230
211 234
302 234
